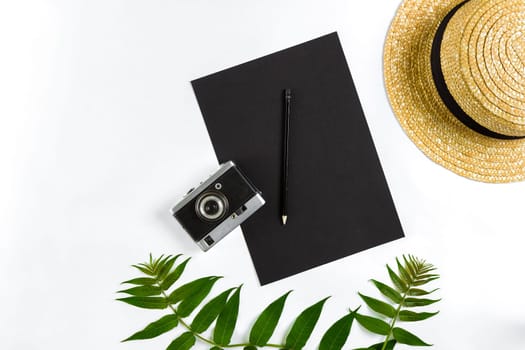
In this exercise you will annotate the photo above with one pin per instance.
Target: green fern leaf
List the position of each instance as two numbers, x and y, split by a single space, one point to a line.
156 328
336 336
189 289
209 312
379 306
227 319
409 267
374 325
166 267
388 292
379 346
405 294
416 302
146 302
422 282
144 270
142 281
266 323
172 277
403 273
420 292
189 304
142 291
303 326
184 342
410 316
405 337
400 285
157 263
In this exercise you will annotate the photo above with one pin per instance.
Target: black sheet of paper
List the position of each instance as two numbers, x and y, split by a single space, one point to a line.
338 200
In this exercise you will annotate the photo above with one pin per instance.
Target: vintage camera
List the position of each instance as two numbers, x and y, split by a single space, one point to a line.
217 206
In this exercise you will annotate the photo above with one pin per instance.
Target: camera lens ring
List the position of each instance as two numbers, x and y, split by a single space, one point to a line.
211 206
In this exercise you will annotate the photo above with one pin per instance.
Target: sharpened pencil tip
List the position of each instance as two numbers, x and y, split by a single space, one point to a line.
284 218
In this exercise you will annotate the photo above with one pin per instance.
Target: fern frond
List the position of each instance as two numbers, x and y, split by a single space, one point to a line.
159 290
404 294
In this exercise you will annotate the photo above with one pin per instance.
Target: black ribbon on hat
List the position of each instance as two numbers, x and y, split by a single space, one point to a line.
444 92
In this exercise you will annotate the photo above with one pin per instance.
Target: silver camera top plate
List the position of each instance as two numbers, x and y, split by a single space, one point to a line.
224 167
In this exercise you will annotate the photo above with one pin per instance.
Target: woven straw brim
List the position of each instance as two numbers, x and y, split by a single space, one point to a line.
420 110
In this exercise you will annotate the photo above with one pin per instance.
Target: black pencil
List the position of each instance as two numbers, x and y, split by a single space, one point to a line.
284 175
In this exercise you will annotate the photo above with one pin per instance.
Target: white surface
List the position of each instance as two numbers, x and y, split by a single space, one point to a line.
100 133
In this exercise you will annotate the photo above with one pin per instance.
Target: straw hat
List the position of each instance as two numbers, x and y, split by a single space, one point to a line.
455 76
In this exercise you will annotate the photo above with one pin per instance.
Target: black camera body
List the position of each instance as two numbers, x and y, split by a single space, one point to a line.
217 206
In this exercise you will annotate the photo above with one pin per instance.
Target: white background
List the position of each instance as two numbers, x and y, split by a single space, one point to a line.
100 134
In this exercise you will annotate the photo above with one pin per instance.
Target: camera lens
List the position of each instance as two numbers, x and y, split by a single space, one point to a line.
211 206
